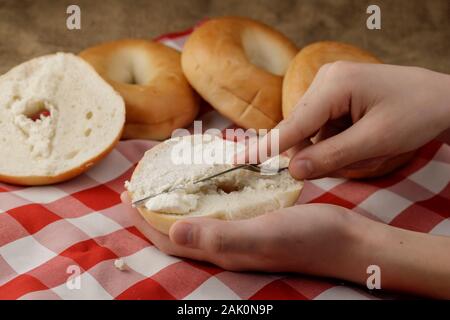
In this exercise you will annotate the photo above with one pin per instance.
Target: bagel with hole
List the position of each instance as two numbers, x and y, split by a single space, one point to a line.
237 65
300 75
58 117
148 76
239 194
307 62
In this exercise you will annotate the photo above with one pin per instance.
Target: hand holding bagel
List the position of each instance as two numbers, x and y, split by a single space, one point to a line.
316 239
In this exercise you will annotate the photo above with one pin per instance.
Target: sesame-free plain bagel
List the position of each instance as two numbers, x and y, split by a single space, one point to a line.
237 195
237 65
307 62
148 76
300 75
58 117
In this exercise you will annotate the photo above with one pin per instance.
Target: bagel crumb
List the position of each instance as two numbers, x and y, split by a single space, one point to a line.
120 264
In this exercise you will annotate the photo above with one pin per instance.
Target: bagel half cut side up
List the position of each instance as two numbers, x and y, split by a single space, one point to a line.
236 195
237 65
300 75
57 119
148 76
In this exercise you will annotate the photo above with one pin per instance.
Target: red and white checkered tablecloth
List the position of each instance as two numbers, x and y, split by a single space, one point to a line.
46 231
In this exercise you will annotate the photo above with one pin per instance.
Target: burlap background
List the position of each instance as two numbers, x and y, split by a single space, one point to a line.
414 32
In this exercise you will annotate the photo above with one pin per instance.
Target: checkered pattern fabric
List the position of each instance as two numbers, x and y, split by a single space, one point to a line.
61 241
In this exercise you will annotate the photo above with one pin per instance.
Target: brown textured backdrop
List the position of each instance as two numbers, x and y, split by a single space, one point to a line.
413 32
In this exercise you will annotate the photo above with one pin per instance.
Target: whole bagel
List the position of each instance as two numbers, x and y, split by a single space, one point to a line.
307 62
237 65
148 76
301 73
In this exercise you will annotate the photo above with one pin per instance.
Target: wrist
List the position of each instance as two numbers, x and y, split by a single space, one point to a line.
352 247
408 261
362 249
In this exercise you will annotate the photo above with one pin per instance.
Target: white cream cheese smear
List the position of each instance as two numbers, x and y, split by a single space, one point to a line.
177 203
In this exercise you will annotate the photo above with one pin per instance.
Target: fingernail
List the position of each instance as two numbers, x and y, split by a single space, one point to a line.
302 168
183 234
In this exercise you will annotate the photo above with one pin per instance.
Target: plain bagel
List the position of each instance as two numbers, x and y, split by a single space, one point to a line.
301 73
58 118
307 62
148 76
237 65
240 194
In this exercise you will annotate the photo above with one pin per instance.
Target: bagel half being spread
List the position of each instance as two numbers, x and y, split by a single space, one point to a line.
236 195
57 119
237 65
300 75
148 76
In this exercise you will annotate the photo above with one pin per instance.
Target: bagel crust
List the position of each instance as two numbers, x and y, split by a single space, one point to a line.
47 180
163 221
307 62
148 76
300 75
244 205
237 65
59 118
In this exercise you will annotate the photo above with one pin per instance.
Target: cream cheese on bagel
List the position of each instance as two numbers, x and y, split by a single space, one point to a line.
238 194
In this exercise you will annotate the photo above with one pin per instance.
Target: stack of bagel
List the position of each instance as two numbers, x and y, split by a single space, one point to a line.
247 71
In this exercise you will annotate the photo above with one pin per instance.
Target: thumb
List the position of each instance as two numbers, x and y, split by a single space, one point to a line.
350 146
216 236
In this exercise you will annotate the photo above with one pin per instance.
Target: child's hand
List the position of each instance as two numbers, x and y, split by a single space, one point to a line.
393 109
317 239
